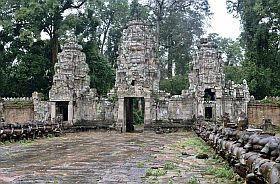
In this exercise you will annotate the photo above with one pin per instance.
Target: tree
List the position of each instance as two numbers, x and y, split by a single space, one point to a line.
260 36
30 18
231 49
163 8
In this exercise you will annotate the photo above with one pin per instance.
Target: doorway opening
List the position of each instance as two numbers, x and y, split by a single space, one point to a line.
208 113
134 114
209 95
62 110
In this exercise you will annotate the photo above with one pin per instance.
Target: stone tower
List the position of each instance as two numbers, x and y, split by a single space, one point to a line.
213 97
207 80
138 69
70 81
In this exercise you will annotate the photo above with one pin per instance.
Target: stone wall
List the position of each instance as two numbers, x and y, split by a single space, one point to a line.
257 112
18 110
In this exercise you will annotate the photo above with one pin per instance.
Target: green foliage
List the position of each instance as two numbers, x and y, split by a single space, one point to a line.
140 164
231 49
170 166
221 172
114 98
175 85
101 72
138 117
193 180
26 61
234 73
260 37
269 100
155 172
197 144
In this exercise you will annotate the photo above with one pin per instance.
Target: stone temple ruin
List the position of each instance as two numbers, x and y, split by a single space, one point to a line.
71 99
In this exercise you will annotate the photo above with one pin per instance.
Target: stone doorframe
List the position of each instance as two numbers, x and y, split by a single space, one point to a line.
121 119
70 112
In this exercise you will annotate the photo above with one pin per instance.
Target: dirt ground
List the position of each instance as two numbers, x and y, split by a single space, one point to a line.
108 158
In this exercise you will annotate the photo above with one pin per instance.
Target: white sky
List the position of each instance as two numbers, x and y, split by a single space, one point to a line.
222 22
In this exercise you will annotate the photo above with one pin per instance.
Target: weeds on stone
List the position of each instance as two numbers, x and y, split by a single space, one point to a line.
193 180
170 166
170 181
197 144
5 143
50 136
25 141
155 172
221 172
140 164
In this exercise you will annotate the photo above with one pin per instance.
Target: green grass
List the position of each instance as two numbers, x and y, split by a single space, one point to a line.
170 166
197 144
25 142
50 136
140 164
193 180
221 172
155 172
5 143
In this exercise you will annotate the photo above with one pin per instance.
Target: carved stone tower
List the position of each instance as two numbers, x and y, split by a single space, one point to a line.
71 80
213 98
137 73
207 80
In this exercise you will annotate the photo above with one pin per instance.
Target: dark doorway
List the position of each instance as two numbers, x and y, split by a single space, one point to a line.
208 113
134 114
62 110
209 95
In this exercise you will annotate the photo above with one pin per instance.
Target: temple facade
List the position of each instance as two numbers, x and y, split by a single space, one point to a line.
208 96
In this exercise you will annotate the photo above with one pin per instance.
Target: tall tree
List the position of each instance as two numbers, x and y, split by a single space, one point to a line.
32 17
163 8
260 36
231 49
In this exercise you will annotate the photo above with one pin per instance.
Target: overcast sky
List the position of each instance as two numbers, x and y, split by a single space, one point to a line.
222 22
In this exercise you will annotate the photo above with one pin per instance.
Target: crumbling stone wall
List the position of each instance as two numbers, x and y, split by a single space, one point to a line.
257 112
18 110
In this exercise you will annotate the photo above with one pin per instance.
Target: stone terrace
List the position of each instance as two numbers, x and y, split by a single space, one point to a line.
103 157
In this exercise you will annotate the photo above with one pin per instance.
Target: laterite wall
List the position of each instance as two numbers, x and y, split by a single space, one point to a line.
257 112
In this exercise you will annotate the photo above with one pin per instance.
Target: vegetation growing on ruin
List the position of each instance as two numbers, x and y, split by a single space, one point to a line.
221 172
197 144
170 166
140 164
193 180
155 172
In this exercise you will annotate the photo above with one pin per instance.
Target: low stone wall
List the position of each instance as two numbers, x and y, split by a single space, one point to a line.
252 153
17 110
257 112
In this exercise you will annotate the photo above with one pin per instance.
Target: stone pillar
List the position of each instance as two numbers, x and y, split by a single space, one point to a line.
200 108
147 113
53 111
120 121
219 105
70 112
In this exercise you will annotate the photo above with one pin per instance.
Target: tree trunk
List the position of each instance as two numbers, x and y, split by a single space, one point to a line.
105 36
169 64
54 47
157 37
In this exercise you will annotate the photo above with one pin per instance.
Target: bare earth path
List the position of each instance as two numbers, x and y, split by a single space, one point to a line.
104 157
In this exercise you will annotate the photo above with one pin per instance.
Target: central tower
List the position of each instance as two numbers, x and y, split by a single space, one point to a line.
137 73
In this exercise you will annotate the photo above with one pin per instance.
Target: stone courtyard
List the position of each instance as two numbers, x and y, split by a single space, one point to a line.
106 157
216 109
